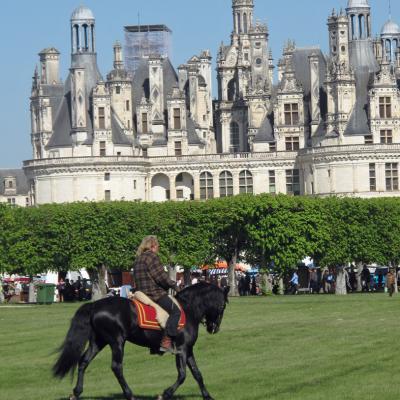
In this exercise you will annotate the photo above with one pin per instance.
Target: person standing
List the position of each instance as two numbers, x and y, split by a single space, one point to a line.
1 292
151 279
391 282
61 289
294 283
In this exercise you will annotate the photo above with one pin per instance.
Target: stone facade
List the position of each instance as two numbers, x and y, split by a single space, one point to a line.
329 125
14 188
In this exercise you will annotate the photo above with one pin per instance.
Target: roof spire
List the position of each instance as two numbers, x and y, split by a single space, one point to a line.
390 9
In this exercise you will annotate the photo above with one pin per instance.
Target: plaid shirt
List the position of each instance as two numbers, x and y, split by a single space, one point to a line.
150 277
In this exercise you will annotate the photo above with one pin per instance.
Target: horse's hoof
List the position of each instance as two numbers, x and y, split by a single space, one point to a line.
73 397
160 397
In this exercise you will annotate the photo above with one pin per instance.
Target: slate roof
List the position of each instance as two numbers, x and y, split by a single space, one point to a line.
141 76
22 182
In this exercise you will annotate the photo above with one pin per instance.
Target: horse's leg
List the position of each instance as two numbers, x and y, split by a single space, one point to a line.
197 375
181 367
92 351
117 349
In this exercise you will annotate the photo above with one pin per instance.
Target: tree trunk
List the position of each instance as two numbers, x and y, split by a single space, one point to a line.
233 292
172 272
341 279
31 291
187 277
98 278
266 284
358 275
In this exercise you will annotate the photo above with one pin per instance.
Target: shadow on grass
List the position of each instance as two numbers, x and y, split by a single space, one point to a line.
122 397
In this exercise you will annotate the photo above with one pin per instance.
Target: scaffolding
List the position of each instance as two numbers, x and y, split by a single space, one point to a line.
143 41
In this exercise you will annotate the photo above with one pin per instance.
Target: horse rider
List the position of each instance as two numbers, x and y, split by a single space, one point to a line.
151 279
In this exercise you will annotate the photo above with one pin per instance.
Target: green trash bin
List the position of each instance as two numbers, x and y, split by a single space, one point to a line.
45 293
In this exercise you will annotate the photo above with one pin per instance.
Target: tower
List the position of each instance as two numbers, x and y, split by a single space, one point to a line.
242 16
390 37
359 15
83 38
338 26
119 84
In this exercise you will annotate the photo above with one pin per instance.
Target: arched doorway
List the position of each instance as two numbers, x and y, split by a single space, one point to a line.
160 188
184 186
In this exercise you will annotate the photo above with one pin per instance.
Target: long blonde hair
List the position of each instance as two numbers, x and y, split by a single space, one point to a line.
147 243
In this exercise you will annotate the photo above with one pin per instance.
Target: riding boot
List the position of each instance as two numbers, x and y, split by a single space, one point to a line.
166 344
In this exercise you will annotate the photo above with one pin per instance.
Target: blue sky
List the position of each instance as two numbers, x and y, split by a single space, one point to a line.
28 26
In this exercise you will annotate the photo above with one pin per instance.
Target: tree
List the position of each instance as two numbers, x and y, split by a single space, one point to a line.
231 239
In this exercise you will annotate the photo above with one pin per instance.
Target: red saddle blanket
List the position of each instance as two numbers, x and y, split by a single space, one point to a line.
147 317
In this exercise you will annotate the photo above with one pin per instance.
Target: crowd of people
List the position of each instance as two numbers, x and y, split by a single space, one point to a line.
325 281
69 290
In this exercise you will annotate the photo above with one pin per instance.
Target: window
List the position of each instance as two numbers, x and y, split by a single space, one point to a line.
392 176
246 56
118 153
272 147
134 184
234 137
102 118
118 89
102 149
27 203
385 107
225 184
107 176
178 148
144 152
368 139
10 184
168 194
179 178
179 194
107 195
386 136
245 182
292 143
206 186
291 114
127 104
293 182
177 118
272 181
11 201
372 177
145 128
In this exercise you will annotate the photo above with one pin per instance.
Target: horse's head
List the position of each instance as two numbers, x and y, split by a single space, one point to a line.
215 309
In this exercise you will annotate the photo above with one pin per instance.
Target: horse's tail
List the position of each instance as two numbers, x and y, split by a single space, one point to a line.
74 343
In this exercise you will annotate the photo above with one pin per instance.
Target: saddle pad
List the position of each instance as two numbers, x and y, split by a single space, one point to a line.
147 317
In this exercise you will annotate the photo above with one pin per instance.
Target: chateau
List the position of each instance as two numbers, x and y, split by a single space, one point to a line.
318 125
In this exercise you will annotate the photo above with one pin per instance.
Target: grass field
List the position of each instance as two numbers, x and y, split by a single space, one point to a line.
281 348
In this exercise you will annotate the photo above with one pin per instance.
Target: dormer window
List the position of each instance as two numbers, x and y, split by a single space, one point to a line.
102 119
145 128
177 118
10 184
291 114
385 107
118 90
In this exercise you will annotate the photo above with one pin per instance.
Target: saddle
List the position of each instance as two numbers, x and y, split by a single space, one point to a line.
151 315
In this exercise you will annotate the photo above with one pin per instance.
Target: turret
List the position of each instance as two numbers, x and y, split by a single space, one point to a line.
359 16
83 38
50 66
242 16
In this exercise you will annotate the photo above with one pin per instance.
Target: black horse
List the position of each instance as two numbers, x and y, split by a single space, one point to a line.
113 321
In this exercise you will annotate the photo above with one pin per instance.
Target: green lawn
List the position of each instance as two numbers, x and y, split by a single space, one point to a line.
297 347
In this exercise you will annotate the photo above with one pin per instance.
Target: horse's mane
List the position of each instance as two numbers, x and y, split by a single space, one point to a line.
194 299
